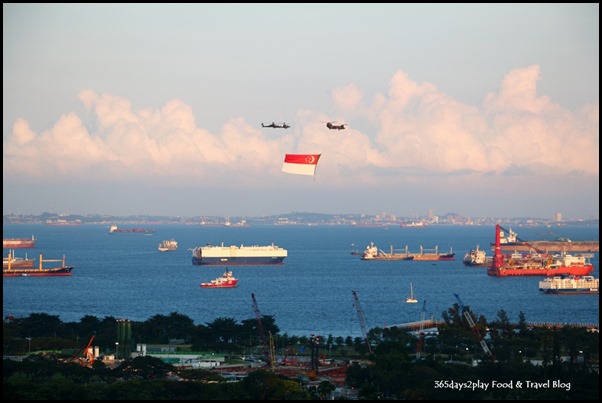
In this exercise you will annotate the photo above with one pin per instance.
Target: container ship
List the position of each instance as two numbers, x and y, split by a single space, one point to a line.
536 263
238 255
16 243
41 271
569 285
509 241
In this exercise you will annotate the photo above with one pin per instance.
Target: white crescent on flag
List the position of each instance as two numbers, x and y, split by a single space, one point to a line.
300 164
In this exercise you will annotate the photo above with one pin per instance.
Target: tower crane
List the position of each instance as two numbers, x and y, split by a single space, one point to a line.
474 329
360 315
260 329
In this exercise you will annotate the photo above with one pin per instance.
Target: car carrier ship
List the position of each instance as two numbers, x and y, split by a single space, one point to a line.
233 255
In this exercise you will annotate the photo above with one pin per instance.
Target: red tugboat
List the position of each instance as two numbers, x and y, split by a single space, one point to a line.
535 263
227 280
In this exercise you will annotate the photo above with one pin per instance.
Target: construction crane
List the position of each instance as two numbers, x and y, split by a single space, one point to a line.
474 329
88 356
360 315
421 331
260 329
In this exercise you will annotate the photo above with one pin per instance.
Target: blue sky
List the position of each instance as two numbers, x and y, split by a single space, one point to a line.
481 110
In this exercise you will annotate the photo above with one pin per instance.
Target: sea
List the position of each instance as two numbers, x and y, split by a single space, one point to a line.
123 275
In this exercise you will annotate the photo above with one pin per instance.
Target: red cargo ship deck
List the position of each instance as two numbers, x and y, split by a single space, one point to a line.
536 263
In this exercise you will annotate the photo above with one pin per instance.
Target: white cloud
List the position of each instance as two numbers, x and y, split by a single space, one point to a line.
412 131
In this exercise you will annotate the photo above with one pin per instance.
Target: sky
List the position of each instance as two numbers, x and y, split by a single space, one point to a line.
486 110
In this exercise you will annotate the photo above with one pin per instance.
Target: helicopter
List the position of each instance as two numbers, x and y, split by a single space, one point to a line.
331 126
276 125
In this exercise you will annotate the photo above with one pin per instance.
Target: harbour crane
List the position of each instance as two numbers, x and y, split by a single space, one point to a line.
474 329
360 315
260 329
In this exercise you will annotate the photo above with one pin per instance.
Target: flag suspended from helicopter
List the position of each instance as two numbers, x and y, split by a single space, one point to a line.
300 164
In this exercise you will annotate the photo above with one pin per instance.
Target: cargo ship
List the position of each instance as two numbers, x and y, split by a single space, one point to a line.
113 229
476 257
15 262
569 285
536 263
433 254
168 245
372 252
238 255
16 243
226 280
509 241
41 271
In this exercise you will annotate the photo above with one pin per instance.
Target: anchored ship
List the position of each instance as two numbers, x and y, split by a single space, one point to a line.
434 254
476 257
238 255
509 241
226 280
168 245
16 243
537 263
114 229
15 262
372 252
569 285
41 271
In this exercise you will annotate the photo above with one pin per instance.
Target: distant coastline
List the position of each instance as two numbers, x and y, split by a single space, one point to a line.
295 218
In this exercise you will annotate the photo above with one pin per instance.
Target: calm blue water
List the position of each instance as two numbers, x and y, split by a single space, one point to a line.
124 276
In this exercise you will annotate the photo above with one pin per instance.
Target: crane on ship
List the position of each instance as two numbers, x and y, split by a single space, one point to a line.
474 329
266 352
360 315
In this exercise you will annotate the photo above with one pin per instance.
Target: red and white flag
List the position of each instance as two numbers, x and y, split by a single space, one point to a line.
300 164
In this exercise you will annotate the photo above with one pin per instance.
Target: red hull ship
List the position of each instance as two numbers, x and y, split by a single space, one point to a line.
41 271
536 263
17 243
16 262
227 280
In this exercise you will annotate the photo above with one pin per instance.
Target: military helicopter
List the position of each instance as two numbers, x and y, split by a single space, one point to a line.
332 126
276 125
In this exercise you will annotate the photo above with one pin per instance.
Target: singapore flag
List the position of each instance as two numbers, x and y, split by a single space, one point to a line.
300 164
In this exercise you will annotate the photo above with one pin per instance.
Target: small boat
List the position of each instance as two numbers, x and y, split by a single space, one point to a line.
411 299
226 280
168 245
